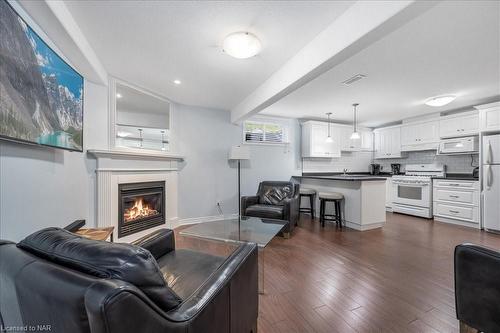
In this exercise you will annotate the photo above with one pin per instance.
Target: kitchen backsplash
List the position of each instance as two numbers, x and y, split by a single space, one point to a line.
360 161
454 163
352 161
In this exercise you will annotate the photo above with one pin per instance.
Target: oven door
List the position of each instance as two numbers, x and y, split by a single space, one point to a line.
411 193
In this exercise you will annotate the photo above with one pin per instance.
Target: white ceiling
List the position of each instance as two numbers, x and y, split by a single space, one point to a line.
452 48
151 43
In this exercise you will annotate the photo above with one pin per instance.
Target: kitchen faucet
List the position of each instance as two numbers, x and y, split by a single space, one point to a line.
345 172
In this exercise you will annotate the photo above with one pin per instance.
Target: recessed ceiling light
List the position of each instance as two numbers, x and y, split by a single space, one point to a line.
241 45
118 95
177 81
440 100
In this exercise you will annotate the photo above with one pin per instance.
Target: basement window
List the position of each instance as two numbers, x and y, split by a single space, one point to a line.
264 132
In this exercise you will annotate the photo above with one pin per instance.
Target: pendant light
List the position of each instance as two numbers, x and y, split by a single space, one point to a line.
355 134
329 137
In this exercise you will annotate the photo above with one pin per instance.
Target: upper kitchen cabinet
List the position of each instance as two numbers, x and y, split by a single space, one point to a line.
462 124
388 142
489 117
422 135
365 143
314 140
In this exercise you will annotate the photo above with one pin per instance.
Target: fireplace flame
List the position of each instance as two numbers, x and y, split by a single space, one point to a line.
139 210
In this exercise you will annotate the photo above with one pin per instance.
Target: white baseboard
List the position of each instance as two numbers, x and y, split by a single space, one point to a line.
474 225
203 219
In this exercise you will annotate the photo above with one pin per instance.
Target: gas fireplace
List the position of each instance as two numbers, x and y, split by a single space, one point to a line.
140 206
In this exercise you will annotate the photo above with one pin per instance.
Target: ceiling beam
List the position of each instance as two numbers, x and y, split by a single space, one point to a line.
57 23
360 25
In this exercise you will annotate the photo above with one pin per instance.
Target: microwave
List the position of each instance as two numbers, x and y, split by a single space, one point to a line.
467 145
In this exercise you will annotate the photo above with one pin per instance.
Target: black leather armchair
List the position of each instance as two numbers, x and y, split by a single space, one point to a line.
274 200
477 288
71 284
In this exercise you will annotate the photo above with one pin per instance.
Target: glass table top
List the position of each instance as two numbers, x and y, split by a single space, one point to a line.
247 229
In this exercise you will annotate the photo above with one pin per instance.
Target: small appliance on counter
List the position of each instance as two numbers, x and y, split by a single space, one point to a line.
395 168
475 172
374 169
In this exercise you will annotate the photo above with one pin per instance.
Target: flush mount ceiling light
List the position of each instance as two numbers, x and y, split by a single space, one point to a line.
440 100
329 137
241 45
355 134
177 82
118 95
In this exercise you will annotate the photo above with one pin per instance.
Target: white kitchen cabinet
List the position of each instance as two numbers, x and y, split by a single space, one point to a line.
489 117
366 140
314 143
365 143
456 201
388 142
346 144
420 136
457 125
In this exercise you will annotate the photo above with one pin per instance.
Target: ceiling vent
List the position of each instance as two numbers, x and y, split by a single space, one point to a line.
353 79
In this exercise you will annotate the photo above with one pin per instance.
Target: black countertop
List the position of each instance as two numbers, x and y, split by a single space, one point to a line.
339 176
458 176
364 176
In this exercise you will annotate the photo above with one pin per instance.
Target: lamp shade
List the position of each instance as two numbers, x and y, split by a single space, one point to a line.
239 153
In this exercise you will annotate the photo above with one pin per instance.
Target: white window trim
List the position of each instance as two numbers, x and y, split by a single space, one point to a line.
267 120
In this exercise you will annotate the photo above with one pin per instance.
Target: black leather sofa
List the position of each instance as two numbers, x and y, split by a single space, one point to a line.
56 279
477 288
274 200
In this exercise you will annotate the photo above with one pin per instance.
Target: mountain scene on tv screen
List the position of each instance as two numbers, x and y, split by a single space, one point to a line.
40 95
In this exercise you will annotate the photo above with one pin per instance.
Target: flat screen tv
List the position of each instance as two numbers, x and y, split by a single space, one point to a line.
41 96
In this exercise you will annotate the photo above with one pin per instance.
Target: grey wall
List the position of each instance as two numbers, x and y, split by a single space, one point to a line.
205 137
41 187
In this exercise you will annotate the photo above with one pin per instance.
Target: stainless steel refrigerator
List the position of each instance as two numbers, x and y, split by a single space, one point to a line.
491 182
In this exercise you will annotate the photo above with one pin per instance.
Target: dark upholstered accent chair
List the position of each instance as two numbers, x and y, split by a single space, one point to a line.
274 200
477 288
54 277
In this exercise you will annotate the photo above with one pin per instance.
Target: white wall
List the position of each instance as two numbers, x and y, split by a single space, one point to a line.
352 161
454 163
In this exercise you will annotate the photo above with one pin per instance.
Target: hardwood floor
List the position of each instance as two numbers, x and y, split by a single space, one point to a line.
395 279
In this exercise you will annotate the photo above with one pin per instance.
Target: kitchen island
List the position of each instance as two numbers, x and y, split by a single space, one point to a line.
364 197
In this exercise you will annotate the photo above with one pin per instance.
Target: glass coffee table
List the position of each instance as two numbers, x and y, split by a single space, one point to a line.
246 229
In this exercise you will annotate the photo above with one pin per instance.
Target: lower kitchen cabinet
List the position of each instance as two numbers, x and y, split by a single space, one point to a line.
456 201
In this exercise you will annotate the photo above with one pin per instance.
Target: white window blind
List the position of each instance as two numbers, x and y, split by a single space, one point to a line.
264 132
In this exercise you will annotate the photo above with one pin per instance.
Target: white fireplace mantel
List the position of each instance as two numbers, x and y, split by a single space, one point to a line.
116 167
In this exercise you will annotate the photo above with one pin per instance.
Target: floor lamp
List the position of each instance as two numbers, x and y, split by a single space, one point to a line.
239 153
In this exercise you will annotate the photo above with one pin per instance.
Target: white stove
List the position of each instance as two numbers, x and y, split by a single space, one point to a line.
412 192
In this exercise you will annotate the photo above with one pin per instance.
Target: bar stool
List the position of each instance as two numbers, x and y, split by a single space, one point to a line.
334 197
311 193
